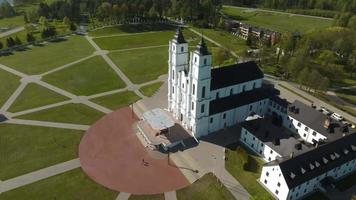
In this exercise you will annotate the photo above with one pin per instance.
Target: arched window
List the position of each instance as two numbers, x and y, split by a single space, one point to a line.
182 49
231 91
202 108
204 61
203 92
193 89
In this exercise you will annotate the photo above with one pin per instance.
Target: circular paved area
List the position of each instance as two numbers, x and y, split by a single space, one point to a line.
111 154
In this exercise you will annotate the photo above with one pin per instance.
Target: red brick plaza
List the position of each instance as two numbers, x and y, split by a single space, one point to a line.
112 155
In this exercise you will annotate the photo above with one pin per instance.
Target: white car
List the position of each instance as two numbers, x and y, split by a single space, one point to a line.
325 111
337 116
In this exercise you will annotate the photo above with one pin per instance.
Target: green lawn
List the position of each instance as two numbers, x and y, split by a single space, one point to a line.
147 197
127 29
226 39
118 100
135 41
89 77
276 21
206 188
69 113
347 95
12 21
9 83
35 96
41 59
346 182
149 90
74 185
248 179
28 148
142 65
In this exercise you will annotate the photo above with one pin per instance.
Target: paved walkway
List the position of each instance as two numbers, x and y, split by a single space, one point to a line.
38 175
13 97
48 124
123 196
12 31
170 195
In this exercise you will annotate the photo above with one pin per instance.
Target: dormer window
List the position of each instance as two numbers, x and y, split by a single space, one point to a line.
182 49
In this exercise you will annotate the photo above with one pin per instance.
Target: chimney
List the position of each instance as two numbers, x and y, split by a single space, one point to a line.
298 146
327 123
277 141
296 111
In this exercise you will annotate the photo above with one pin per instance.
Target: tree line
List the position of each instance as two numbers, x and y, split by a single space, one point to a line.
6 10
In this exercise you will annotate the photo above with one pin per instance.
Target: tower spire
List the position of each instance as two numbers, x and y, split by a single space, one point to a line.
202 48
179 36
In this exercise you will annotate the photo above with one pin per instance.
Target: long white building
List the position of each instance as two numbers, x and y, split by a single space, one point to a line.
207 99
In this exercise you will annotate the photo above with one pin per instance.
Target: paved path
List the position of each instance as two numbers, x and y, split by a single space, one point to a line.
48 124
170 195
40 108
12 71
333 97
12 31
107 93
214 42
124 34
38 175
279 12
138 48
123 196
13 97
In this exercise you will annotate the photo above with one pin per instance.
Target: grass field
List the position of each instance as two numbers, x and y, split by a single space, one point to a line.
35 96
9 83
347 95
135 41
206 188
28 148
41 59
149 90
89 77
127 29
74 184
226 39
69 113
276 21
142 65
118 100
12 21
234 165
147 197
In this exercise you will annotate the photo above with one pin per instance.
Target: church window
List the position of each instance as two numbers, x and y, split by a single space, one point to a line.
195 59
314 133
243 88
193 89
202 108
224 115
174 48
173 74
203 92
192 105
299 124
173 89
182 49
211 120
231 91
204 61
254 85
183 85
217 95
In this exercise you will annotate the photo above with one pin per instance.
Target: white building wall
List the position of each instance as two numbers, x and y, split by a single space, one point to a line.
273 179
305 132
263 150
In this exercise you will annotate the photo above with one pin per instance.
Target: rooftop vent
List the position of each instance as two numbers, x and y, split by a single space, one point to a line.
302 170
353 148
292 175
325 161
311 166
298 146
317 164
332 157
346 151
276 141
296 111
337 155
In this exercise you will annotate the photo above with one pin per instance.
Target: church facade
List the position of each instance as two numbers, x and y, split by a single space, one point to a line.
207 99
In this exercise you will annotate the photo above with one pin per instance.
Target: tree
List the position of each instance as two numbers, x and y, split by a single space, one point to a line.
152 13
10 42
32 15
1 45
66 21
303 77
30 38
17 41
221 56
43 22
72 27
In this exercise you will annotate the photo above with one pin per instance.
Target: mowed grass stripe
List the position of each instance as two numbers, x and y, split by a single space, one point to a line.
142 65
38 60
134 41
118 100
28 148
8 85
86 78
35 96
74 184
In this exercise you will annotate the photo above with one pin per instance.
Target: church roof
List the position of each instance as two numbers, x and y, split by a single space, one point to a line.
179 36
234 74
202 48
311 164
237 100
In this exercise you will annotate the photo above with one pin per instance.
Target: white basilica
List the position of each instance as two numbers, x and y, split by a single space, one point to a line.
207 99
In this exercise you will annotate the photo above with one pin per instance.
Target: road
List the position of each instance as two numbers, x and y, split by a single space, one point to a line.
280 12
12 31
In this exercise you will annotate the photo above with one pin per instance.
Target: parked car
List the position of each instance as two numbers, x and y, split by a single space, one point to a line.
337 116
325 111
